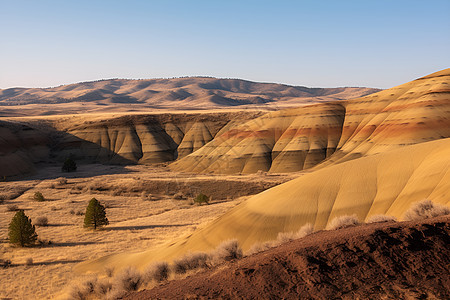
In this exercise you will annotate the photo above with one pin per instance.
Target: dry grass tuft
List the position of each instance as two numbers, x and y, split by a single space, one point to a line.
12 207
381 219
343 222
228 250
41 221
259 247
158 271
191 261
305 230
29 261
103 288
129 279
425 209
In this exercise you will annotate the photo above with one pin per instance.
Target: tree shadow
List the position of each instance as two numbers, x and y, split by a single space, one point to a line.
142 227
68 244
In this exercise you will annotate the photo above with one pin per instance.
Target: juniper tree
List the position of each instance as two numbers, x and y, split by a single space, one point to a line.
69 165
95 215
21 231
201 198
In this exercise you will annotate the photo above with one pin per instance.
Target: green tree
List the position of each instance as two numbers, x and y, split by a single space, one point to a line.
38 196
21 231
69 165
201 198
95 215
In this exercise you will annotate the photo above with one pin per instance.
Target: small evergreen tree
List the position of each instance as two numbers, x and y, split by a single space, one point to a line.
21 231
38 197
69 165
201 198
95 215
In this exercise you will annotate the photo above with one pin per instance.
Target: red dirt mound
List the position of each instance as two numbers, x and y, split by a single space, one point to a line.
408 260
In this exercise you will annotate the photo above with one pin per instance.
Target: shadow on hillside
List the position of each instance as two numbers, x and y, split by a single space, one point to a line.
143 227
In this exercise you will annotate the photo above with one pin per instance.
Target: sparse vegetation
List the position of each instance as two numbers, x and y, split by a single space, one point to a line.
158 271
95 215
191 261
129 279
69 165
12 207
62 180
38 197
201 198
381 218
29 261
228 250
425 209
21 232
284 237
41 221
343 222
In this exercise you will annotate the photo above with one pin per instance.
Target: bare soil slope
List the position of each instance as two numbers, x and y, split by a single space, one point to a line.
378 261
173 94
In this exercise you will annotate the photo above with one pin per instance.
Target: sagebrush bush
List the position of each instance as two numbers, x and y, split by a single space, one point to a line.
305 230
228 250
260 247
381 218
343 222
425 209
12 207
29 261
41 221
191 261
62 180
158 271
103 287
129 279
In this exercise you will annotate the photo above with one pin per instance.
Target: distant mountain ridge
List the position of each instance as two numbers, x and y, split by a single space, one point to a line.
178 93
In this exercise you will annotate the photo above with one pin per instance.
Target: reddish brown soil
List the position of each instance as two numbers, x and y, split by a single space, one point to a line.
408 260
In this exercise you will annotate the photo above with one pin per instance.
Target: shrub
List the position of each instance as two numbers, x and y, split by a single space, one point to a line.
103 287
343 222
129 279
381 218
69 165
5 263
259 247
62 180
284 237
158 271
191 261
41 221
12 207
82 290
425 209
95 215
38 196
21 231
201 198
228 250
29 261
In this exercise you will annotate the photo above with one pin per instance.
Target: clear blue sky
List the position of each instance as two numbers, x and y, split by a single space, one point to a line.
379 43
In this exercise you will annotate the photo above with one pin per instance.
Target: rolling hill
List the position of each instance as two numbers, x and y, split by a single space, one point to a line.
188 93
385 152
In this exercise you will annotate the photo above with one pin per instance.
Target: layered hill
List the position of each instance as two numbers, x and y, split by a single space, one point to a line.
374 155
297 139
172 94
378 261
109 139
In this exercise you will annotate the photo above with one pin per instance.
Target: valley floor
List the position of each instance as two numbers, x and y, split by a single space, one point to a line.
146 205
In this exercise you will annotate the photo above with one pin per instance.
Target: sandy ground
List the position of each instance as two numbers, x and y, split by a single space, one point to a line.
139 219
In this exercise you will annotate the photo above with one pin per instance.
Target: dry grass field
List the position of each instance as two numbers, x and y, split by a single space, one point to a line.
142 205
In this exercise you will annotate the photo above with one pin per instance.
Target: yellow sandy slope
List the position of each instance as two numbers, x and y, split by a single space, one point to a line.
385 183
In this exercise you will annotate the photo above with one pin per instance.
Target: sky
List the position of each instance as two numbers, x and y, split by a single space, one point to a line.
379 43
